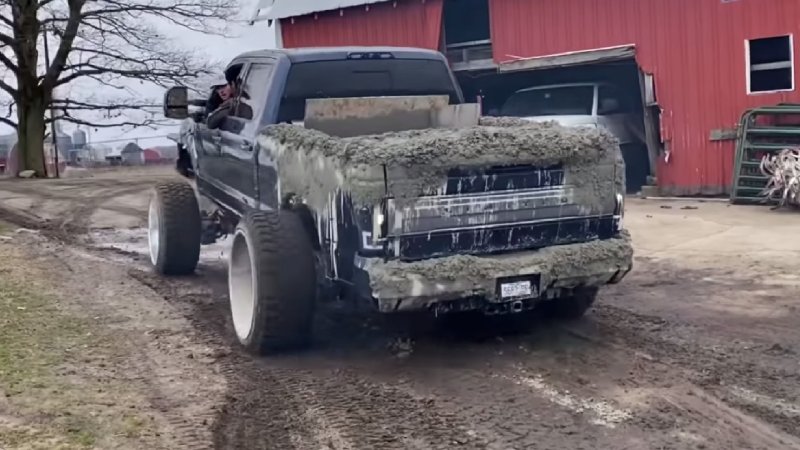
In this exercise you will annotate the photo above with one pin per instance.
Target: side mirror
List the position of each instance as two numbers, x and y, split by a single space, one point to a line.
176 103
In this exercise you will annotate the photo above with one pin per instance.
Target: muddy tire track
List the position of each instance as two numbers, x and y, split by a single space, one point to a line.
651 367
466 394
716 370
187 429
83 197
76 222
750 369
277 403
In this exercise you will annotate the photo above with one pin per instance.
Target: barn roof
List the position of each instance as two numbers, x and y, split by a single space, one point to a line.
282 9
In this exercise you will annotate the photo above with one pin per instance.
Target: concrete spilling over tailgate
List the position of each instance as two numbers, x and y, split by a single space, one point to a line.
427 140
313 165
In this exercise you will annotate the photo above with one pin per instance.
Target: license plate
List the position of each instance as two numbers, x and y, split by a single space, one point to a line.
516 289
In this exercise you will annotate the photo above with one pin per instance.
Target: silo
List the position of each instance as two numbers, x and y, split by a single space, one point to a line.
78 139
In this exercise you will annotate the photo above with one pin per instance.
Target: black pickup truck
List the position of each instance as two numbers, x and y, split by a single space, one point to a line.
361 175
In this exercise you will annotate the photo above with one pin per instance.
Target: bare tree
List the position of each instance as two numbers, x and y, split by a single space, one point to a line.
94 42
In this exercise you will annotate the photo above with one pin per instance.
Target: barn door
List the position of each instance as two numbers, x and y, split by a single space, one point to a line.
652 120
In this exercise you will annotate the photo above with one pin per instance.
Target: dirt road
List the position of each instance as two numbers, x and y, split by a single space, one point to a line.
697 348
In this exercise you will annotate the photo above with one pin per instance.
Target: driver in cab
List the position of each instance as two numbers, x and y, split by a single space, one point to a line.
225 101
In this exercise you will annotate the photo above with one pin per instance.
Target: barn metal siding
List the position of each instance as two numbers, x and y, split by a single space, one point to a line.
407 23
694 48
281 9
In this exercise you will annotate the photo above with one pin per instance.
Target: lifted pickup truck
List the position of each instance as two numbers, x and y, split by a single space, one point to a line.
360 175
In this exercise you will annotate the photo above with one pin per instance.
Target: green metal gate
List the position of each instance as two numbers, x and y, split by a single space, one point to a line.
762 131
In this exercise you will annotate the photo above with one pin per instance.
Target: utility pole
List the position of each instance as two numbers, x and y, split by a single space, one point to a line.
53 128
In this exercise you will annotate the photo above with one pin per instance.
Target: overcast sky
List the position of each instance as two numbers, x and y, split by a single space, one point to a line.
242 38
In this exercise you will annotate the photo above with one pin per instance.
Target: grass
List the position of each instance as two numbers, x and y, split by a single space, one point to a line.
133 426
34 336
35 341
53 407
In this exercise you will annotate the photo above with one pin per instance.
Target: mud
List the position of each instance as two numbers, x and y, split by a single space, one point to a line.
564 266
696 349
66 209
313 165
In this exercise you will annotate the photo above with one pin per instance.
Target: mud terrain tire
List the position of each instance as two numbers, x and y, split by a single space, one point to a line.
574 306
272 282
174 228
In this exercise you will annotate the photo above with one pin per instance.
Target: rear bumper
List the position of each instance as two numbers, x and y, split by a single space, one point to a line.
398 286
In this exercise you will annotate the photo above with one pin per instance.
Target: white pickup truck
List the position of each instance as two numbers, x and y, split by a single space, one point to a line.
577 104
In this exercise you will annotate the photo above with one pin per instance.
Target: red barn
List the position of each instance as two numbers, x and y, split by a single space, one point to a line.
152 156
689 68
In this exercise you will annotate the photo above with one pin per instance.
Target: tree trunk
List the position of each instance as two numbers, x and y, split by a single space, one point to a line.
30 135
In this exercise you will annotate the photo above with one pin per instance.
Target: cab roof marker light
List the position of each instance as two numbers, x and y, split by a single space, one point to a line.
370 55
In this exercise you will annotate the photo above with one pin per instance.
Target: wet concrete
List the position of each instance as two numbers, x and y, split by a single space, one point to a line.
312 164
448 278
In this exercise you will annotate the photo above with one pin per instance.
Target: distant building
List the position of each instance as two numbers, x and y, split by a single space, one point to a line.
114 160
132 155
64 142
5 149
95 152
167 151
76 152
152 156
78 139
6 142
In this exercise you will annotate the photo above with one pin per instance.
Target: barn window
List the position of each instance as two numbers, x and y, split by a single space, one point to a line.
466 21
770 64
467 35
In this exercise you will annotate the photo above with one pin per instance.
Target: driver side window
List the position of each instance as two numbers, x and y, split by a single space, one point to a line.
253 91
222 98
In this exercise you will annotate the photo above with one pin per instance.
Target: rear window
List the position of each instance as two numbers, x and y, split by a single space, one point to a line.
363 78
558 101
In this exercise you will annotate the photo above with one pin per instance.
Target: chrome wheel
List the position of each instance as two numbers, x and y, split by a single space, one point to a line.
153 230
242 285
